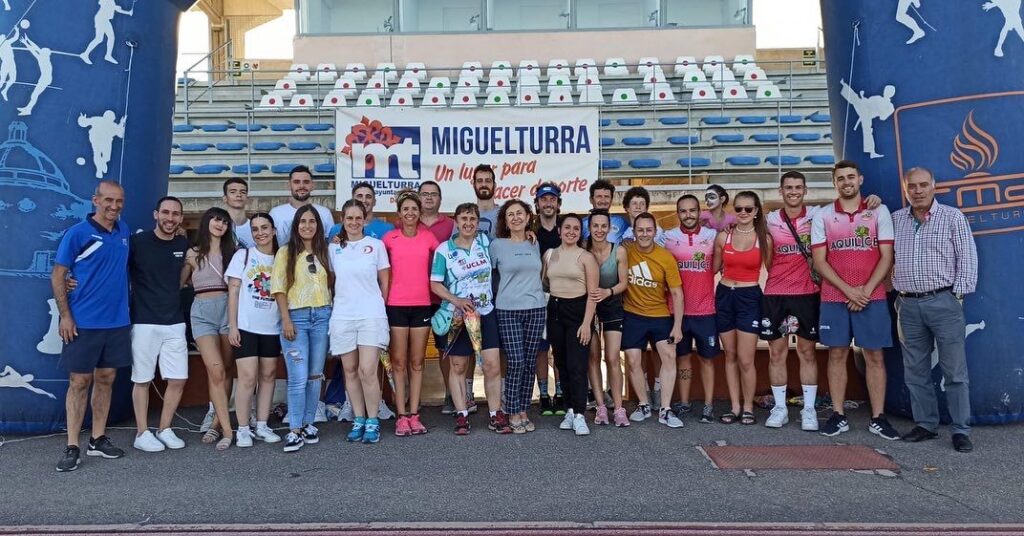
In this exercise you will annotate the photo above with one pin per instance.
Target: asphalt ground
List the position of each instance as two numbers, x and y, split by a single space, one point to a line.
644 473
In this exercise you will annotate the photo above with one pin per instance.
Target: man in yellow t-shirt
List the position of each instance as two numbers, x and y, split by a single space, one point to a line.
653 277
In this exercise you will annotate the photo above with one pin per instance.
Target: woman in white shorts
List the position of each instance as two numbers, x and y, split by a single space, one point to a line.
359 322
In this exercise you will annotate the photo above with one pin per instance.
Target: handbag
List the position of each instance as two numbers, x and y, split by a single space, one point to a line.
815 276
441 322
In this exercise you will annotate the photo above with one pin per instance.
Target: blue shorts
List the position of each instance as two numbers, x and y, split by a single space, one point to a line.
738 308
639 330
870 328
98 349
702 331
462 346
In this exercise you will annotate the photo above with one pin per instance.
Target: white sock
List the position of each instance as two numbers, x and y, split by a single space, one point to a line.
464 413
493 413
261 424
779 392
211 408
810 395
243 428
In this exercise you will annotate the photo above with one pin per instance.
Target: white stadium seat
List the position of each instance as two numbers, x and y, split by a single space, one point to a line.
472 69
712 63
435 96
356 71
346 85
377 82
591 94
335 98
694 77
647 64
754 77
469 83
409 83
326 73
722 78
529 81
285 86
369 98
653 77
662 93
441 83
557 67
703 92
498 82
560 96
587 79
624 96
559 81
498 97
616 67
583 66
529 68
767 91
388 71
500 68
415 70
685 64
401 98
301 100
742 62
465 97
527 95
271 101
298 71
734 93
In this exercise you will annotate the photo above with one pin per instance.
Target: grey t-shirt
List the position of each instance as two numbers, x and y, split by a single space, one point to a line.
518 265
489 222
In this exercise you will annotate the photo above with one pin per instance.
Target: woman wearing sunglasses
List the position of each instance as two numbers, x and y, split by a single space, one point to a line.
716 217
741 252
302 287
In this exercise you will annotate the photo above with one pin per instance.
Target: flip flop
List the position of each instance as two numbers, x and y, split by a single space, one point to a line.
747 418
224 444
728 418
211 436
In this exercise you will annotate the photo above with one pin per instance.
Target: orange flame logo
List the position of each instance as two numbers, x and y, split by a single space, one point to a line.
974 149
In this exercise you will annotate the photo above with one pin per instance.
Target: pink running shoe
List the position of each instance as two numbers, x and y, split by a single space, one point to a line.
602 415
403 426
415 424
620 417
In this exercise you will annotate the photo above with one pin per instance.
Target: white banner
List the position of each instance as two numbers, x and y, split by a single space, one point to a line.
396 148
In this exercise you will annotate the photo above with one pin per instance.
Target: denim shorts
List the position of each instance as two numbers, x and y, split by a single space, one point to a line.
210 316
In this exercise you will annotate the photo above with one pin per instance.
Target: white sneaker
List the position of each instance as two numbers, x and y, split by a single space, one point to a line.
346 413
579 425
207 420
170 439
147 442
321 412
668 417
642 413
384 413
809 420
244 437
778 418
265 434
567 422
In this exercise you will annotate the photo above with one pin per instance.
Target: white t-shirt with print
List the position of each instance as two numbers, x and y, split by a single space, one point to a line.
257 310
357 293
466 273
284 214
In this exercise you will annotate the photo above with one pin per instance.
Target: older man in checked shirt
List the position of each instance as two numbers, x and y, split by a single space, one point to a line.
936 264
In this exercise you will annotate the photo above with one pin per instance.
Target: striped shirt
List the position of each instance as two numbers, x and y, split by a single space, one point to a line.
936 253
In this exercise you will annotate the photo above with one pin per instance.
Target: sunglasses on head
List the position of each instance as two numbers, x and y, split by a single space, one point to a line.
747 210
312 265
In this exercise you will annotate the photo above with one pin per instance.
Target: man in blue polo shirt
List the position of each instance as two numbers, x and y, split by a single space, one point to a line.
94 321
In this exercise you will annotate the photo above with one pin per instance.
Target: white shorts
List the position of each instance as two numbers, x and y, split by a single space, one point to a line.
347 335
150 343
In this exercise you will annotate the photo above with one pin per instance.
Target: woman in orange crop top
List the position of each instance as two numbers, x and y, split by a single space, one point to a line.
740 253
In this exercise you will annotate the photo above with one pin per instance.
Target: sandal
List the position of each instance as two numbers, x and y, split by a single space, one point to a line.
747 418
224 444
727 418
529 425
211 436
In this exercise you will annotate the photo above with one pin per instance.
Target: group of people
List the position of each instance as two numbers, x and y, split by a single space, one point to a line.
508 285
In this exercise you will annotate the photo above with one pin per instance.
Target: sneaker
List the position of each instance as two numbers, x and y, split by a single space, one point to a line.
546 409
266 435
70 460
619 416
292 442
778 418
835 425
333 410
358 427
402 427
449 407
471 406
416 425
371 431
147 442
384 412
461 425
591 402
880 427
579 425
707 414
321 413
642 413
668 417
310 435
207 420
170 439
499 423
809 420
567 421
346 414
602 415
101 446
681 408
244 437
559 404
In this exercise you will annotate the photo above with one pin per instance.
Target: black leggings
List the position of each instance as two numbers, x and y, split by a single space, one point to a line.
571 357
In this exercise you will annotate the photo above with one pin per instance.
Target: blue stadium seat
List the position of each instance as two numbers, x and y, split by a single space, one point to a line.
606 122
818 117
184 127
637 140
787 119
267 146
765 138
303 145
216 127
186 80
284 127
210 169
804 136
331 146
784 160
672 120
684 140
317 127
645 163
727 138
194 147
243 169
250 127
610 163
283 169
631 121
178 169
743 160
752 119
696 161
828 136
174 146
716 120
821 159
230 146
606 141
326 167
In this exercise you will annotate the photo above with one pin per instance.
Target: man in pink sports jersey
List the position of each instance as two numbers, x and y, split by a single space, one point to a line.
852 247
693 246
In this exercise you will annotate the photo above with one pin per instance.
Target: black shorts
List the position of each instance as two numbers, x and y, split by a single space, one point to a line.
609 313
410 316
702 332
640 330
98 348
257 345
803 307
738 308
462 346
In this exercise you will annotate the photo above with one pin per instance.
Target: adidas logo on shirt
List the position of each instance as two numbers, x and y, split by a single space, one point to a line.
640 275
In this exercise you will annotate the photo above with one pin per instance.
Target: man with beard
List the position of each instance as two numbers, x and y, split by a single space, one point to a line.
483 187
602 193
548 200
300 183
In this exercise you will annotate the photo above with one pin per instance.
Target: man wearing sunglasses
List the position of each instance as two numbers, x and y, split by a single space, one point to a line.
300 184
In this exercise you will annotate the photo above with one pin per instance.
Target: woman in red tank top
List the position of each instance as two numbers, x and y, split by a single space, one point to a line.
741 252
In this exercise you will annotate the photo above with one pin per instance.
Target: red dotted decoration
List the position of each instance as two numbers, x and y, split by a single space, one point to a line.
434 100
753 76
302 101
345 85
501 83
702 93
661 95
415 70
472 68
465 98
334 100
561 98
401 100
589 81
732 92
408 84
528 98
377 85
272 101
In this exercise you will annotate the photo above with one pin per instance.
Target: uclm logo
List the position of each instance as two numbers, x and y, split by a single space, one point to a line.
959 139
378 151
